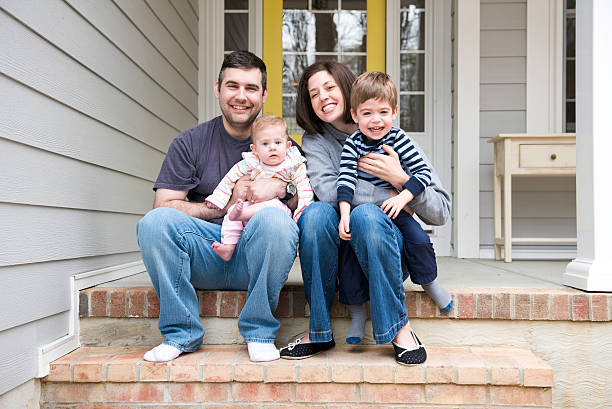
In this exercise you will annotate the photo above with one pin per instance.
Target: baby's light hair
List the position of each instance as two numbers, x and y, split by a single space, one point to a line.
268 121
373 85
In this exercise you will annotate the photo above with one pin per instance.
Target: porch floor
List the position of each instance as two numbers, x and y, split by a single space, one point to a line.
452 273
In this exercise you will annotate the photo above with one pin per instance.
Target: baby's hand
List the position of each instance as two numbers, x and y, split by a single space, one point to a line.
394 205
344 229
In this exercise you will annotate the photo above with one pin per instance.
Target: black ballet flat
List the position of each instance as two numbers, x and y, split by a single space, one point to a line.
297 350
413 356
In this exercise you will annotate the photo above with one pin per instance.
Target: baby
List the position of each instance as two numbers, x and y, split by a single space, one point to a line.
272 156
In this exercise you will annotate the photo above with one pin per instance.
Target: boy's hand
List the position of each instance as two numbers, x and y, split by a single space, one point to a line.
344 229
394 205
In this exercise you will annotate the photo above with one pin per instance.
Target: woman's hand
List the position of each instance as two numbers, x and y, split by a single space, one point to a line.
394 205
385 167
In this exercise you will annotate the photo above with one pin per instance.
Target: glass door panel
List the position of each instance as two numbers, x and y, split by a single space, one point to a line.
317 30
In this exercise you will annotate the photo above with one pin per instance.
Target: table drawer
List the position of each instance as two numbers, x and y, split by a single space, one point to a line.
547 156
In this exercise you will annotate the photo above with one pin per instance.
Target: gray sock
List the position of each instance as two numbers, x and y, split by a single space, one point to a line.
438 294
358 319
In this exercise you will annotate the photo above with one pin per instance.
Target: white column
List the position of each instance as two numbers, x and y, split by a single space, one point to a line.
210 56
466 222
592 268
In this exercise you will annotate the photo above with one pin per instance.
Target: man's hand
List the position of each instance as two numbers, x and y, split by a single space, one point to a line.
385 167
394 205
264 189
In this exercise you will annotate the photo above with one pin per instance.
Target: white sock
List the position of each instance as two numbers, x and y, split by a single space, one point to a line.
162 353
262 352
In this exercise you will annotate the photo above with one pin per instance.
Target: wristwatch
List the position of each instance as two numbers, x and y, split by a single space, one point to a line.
290 191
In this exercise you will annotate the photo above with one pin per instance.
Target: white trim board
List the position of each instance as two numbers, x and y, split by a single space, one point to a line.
466 130
60 347
544 66
518 253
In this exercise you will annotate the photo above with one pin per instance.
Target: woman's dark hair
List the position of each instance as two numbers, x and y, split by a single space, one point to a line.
305 115
246 60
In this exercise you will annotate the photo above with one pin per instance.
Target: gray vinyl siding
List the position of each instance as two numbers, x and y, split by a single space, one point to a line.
541 206
93 92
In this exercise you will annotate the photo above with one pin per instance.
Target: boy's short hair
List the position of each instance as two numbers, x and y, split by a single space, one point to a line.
373 84
268 121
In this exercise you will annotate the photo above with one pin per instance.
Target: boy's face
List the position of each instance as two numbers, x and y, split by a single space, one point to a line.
374 118
270 144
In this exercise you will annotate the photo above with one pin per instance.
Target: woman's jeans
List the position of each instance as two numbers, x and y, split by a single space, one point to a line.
377 243
176 250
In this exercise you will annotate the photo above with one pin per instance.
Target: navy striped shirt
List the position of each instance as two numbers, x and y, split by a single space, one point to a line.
357 145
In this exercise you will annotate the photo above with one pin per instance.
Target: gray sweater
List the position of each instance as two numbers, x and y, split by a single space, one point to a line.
323 152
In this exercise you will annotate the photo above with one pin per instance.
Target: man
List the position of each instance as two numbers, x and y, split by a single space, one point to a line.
175 237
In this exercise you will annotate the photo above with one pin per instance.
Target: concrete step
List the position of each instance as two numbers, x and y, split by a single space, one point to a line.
355 377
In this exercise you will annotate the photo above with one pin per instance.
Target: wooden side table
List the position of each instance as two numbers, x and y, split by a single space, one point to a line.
522 155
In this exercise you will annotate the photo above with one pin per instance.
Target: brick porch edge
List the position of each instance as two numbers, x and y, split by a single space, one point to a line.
469 303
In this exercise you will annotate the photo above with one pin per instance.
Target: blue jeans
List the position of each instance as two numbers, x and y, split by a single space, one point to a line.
378 245
176 251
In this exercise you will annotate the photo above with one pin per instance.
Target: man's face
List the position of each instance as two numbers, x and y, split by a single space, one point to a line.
240 97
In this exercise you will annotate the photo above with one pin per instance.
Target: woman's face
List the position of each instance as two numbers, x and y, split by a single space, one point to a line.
326 98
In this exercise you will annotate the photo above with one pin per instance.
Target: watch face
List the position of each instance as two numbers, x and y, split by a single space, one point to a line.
291 189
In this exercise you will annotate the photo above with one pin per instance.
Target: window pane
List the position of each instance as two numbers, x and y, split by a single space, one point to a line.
412 30
352 30
236 31
298 31
289 115
571 4
354 4
417 3
326 33
236 4
356 63
570 79
293 66
412 113
412 77
570 117
324 4
295 4
570 37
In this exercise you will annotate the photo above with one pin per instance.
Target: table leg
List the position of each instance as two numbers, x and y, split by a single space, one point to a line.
497 205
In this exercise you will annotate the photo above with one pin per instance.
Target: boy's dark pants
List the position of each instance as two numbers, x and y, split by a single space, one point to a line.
418 254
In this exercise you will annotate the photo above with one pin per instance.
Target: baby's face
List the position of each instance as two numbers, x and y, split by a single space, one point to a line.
271 144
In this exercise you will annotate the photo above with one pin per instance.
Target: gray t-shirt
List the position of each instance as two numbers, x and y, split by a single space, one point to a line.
198 159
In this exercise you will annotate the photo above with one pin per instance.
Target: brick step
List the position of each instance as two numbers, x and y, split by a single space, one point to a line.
468 303
132 314
359 377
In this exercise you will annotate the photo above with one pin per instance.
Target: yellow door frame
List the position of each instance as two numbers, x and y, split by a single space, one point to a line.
273 48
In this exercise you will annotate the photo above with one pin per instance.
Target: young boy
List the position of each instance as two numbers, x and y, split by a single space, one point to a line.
272 156
374 108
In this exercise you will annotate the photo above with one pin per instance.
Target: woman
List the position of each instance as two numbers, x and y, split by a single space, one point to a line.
322 110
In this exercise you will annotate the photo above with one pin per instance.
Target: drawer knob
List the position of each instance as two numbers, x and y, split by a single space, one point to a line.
553 156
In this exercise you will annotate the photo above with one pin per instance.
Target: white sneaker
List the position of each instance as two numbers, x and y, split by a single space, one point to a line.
262 352
162 353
